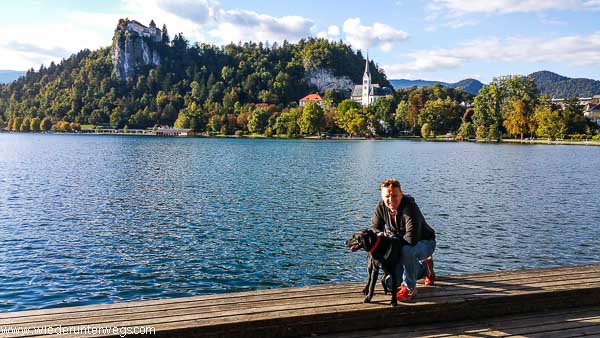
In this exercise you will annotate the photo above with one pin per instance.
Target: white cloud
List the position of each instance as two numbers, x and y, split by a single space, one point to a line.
194 17
240 25
332 33
379 35
571 50
29 45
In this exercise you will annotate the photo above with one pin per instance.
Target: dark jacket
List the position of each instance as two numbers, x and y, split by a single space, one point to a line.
411 226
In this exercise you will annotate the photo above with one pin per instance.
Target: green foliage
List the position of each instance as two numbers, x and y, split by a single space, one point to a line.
257 121
466 130
354 121
34 124
549 122
287 122
513 97
441 116
312 119
46 124
202 80
16 125
515 118
25 125
481 132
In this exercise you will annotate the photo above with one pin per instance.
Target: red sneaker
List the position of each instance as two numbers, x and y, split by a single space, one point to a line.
405 294
430 278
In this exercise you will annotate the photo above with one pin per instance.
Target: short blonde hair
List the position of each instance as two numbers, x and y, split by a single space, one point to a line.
390 182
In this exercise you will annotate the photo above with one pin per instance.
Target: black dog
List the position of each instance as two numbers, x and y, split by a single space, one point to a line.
383 252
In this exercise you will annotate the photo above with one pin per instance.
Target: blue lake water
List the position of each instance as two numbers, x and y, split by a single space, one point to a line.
102 219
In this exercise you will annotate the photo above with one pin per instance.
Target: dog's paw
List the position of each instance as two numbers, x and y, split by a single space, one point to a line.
394 303
365 291
367 299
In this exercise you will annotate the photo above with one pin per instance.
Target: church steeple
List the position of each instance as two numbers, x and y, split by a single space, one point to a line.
366 85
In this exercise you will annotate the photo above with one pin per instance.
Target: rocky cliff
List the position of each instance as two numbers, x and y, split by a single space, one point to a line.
324 79
134 45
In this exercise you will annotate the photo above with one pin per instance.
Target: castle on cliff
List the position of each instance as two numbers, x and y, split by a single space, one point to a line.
151 31
135 45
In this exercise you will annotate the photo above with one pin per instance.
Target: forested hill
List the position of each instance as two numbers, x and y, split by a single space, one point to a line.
200 80
556 86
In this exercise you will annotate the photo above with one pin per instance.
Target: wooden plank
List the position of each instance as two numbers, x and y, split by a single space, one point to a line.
219 311
306 310
506 277
530 324
427 294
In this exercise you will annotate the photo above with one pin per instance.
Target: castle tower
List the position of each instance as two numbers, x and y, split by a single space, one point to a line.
366 84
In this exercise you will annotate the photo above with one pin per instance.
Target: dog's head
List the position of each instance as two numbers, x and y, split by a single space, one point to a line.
362 239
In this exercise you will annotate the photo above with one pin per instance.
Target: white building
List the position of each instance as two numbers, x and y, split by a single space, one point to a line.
150 32
367 93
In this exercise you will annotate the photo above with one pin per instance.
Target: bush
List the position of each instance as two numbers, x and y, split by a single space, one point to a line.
269 132
596 137
239 133
579 136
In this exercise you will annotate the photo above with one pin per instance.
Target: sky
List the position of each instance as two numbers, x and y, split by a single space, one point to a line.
444 40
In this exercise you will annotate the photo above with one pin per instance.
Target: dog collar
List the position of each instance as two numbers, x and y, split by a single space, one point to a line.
375 245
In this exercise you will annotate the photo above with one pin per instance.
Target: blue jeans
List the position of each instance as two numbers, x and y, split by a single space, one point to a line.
411 268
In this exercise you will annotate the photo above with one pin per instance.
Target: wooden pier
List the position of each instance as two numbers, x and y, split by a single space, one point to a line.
564 299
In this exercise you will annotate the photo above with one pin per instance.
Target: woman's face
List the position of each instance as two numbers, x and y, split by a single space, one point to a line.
391 196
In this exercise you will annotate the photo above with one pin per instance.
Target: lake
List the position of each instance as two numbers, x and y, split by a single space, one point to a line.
88 219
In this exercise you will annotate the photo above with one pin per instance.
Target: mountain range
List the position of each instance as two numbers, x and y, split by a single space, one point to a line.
548 83
469 85
557 86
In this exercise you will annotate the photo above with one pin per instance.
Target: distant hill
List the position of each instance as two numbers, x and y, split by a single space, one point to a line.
7 76
469 85
558 86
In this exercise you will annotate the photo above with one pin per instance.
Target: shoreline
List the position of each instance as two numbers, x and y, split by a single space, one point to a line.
340 138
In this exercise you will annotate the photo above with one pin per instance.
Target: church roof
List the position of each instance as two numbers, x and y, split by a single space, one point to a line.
375 90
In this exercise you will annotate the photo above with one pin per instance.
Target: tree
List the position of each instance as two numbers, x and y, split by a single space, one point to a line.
353 121
165 35
401 117
442 116
346 105
312 119
287 122
35 124
488 106
25 125
549 122
515 119
257 121
182 121
17 121
466 130
572 115
382 115
46 124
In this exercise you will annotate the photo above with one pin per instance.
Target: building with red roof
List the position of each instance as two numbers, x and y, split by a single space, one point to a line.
311 98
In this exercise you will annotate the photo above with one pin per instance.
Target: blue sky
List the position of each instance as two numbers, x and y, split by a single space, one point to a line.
445 40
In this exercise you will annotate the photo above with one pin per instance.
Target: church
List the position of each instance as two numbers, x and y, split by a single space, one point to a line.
367 93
